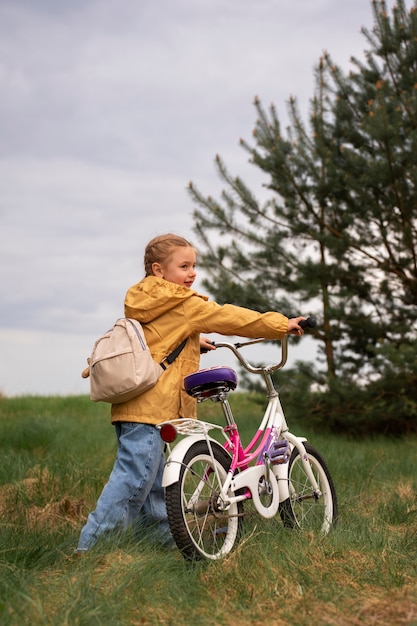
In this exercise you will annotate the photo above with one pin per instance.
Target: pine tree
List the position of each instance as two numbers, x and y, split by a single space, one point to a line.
375 137
337 237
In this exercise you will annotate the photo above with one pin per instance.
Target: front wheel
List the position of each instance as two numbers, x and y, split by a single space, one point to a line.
202 523
305 509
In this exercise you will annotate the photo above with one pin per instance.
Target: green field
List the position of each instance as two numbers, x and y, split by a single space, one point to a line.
56 454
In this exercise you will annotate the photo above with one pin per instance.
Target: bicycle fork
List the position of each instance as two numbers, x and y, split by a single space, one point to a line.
281 471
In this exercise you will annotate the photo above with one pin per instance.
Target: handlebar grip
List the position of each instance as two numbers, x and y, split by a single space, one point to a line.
205 350
310 322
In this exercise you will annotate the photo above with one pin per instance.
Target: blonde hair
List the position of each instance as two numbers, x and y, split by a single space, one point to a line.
160 248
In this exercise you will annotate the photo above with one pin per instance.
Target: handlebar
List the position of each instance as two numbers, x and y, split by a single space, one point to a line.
309 322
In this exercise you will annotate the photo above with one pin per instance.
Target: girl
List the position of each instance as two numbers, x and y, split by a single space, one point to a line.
171 311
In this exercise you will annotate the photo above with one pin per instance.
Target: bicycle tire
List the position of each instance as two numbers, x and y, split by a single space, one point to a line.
303 509
202 529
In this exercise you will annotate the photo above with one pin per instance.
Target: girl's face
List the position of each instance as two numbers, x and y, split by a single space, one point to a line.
179 268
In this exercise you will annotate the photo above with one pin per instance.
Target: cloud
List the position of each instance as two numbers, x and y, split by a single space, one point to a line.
76 234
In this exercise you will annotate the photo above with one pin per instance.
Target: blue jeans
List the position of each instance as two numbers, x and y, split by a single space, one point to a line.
133 496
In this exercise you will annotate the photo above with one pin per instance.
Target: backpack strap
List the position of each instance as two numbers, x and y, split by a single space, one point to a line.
171 357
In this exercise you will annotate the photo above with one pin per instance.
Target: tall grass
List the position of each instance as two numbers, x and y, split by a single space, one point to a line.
56 454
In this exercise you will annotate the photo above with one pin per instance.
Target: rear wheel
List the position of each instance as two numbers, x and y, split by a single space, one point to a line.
305 509
202 523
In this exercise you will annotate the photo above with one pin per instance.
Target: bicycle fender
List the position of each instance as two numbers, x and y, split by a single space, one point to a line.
175 459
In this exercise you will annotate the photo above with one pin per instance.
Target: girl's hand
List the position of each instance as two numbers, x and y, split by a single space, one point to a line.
206 345
293 326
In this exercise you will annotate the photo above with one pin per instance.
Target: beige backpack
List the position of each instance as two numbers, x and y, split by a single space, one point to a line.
121 366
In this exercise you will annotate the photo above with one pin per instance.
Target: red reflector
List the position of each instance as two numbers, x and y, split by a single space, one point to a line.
168 433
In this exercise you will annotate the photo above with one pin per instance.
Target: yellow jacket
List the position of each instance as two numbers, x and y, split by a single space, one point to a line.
170 313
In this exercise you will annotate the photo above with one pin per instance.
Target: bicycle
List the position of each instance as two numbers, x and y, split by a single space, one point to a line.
207 482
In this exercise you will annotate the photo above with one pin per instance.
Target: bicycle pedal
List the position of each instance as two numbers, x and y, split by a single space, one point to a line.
279 452
220 532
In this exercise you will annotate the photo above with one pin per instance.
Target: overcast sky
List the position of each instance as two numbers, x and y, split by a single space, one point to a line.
108 108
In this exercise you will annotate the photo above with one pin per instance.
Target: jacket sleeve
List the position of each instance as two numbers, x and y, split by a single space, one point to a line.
228 319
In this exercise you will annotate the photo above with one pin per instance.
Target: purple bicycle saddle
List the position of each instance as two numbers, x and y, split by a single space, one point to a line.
210 382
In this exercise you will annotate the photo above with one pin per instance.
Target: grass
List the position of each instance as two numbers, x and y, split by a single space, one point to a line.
56 455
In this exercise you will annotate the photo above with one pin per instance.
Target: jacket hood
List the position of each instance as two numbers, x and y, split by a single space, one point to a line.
153 296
